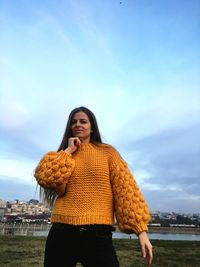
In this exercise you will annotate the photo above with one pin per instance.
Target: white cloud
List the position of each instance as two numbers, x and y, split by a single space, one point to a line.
170 110
21 170
12 113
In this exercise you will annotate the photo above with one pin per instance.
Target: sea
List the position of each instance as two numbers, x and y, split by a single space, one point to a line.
43 230
157 236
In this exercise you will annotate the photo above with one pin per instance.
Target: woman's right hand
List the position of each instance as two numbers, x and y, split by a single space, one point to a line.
146 248
73 144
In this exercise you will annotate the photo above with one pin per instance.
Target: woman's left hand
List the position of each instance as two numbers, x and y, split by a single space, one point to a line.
146 248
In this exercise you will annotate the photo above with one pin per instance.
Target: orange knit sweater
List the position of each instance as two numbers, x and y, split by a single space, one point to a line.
93 186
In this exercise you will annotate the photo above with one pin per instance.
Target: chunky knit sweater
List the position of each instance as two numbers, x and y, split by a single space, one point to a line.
94 185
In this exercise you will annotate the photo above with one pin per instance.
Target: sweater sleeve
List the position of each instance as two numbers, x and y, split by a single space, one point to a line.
54 171
131 210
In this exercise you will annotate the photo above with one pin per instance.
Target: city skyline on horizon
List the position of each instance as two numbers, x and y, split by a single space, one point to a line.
151 211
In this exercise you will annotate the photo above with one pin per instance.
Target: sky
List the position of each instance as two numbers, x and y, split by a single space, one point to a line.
134 63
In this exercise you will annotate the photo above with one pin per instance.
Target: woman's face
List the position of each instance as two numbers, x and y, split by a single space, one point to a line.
81 127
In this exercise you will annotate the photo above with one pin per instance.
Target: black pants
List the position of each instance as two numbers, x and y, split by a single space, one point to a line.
68 245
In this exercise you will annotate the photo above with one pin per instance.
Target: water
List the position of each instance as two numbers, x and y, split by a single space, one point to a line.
186 237
158 236
43 229
40 233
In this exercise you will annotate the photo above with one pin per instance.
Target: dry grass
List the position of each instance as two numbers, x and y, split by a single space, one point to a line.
24 251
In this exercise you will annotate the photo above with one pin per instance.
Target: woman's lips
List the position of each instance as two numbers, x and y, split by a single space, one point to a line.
78 130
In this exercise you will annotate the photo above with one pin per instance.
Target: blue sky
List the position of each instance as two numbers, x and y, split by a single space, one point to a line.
136 65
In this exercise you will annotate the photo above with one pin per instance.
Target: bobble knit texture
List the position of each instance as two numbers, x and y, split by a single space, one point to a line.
93 185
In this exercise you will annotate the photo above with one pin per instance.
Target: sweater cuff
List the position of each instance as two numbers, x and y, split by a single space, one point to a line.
60 189
63 153
140 228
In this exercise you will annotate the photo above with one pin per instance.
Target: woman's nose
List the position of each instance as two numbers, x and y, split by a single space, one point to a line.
78 123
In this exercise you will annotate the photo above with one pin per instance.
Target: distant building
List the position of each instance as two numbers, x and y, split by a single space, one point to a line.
3 203
33 201
2 212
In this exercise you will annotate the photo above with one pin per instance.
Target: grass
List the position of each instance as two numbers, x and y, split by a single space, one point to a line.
25 251
167 253
22 251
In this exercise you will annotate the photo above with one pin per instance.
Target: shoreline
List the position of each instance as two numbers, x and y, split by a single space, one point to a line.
171 230
174 230
28 228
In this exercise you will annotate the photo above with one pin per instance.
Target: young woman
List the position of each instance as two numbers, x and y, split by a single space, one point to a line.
89 185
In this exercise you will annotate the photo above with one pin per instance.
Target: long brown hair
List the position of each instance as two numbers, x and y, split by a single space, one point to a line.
48 196
95 134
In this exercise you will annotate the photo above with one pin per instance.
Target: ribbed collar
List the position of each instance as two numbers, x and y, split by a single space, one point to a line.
86 146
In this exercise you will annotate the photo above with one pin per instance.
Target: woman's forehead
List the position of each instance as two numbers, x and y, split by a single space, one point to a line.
80 115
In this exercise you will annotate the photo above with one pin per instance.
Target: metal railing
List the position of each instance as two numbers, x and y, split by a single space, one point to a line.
26 229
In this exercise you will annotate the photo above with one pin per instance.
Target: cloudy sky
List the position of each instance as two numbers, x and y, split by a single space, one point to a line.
134 63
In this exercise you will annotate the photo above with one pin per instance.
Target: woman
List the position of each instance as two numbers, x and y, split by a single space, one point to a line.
89 184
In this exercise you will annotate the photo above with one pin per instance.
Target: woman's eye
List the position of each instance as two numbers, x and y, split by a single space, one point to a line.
81 122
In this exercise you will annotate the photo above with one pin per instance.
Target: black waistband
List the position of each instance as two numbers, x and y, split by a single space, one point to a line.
88 227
